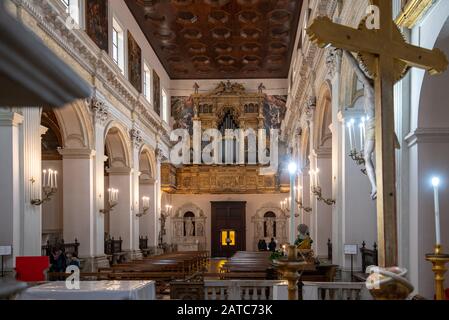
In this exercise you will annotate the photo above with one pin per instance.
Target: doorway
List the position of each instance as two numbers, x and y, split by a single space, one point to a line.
228 230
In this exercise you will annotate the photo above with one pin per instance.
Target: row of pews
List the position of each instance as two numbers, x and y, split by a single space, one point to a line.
248 265
162 269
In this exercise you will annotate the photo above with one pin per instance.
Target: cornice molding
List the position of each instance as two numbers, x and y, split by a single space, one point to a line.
84 153
8 119
427 135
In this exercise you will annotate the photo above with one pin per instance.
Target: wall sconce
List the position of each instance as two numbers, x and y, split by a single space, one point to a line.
301 207
357 156
112 202
285 207
49 187
145 207
316 189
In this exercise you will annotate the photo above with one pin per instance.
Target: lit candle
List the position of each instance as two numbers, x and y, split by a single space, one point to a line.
56 179
436 184
361 136
44 182
50 178
350 136
353 133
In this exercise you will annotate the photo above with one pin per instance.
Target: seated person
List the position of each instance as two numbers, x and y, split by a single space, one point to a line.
263 245
58 261
73 260
272 245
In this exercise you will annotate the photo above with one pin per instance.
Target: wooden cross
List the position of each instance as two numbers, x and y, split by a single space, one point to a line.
386 51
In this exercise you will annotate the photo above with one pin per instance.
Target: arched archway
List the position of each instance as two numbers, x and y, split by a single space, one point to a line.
118 175
52 211
67 148
321 165
147 169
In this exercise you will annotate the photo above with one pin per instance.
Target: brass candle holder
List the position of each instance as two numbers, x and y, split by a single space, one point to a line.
301 207
317 191
290 268
359 159
439 260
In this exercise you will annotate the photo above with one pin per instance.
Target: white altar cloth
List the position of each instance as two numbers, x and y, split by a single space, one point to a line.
93 290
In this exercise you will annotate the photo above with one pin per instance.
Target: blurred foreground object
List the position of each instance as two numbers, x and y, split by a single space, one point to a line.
30 73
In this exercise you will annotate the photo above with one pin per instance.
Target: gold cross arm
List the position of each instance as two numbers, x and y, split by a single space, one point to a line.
324 32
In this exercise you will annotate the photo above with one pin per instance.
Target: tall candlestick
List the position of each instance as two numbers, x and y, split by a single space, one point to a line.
292 170
436 183
292 210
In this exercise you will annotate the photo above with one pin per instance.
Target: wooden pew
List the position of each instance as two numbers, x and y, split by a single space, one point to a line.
143 246
369 258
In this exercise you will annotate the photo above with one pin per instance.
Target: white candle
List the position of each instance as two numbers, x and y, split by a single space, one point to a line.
50 172
436 183
317 177
44 183
350 136
361 135
353 134
56 179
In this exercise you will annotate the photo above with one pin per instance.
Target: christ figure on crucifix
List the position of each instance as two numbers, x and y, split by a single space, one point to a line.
369 94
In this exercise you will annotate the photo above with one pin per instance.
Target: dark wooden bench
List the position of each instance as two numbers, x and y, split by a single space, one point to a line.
143 246
369 258
113 250
66 248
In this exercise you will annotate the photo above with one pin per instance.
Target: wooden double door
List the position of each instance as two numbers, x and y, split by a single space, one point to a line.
228 228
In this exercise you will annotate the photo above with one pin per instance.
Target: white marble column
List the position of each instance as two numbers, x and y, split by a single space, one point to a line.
323 213
122 217
78 199
10 184
135 221
99 201
31 162
157 198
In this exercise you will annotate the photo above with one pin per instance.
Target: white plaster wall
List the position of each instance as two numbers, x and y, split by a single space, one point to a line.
253 203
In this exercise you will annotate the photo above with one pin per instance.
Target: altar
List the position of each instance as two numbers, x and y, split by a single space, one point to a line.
92 290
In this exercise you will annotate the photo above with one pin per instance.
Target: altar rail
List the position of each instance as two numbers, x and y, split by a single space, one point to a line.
335 291
245 290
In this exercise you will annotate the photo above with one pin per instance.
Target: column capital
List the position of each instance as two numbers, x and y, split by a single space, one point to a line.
43 130
82 153
323 152
10 119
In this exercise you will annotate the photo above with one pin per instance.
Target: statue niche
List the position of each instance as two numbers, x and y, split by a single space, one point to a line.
188 226
269 222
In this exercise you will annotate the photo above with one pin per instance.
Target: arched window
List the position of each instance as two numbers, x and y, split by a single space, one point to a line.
189 224
269 224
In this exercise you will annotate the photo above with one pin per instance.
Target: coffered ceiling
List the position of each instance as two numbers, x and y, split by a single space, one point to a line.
220 39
